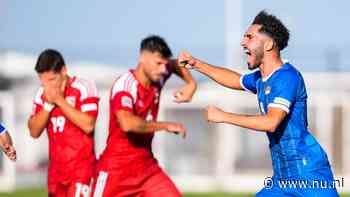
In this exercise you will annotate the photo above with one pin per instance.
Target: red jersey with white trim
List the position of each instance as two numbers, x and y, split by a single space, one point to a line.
131 153
71 151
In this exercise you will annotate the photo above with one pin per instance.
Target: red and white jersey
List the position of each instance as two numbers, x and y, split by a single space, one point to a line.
71 151
131 150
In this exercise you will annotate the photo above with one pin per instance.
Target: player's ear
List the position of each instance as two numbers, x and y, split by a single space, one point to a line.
269 45
64 70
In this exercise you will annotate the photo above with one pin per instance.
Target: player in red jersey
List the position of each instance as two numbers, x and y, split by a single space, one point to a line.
127 166
67 108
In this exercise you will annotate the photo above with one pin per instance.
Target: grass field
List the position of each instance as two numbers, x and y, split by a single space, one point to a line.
43 193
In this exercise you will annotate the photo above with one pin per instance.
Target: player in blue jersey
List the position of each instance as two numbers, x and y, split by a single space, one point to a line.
6 143
296 155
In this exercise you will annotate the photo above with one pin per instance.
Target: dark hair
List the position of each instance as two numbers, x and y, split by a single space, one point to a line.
49 60
273 27
154 43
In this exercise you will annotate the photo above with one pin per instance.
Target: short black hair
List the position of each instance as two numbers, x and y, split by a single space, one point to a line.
49 60
154 43
273 27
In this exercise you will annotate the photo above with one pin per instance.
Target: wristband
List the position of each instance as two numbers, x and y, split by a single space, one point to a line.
48 107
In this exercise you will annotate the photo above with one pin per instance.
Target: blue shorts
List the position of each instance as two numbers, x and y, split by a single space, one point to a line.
320 183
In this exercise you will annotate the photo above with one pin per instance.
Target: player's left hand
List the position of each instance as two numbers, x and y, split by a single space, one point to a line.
214 114
10 152
176 128
185 94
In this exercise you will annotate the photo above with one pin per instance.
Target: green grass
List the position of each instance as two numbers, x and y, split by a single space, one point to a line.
26 193
43 193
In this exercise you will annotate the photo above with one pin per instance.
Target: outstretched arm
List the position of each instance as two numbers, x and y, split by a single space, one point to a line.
268 122
223 76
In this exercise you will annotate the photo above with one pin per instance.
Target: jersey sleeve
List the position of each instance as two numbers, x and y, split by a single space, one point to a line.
2 129
123 97
38 102
249 81
89 99
123 100
284 91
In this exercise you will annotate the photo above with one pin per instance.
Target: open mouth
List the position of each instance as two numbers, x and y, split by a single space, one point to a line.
246 51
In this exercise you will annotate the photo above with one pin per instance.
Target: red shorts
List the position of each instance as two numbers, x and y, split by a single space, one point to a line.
73 189
158 184
64 180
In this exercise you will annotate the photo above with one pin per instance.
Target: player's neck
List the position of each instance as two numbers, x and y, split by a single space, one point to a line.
141 77
269 66
65 83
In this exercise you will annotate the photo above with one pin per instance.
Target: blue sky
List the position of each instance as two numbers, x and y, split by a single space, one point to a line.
110 31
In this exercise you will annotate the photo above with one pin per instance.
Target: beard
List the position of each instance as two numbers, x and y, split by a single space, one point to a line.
252 66
154 78
258 55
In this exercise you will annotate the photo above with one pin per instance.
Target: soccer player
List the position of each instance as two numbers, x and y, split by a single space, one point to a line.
6 143
282 97
127 166
67 107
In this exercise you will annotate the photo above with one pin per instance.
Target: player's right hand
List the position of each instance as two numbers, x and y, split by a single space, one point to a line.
186 60
47 96
214 114
177 129
52 93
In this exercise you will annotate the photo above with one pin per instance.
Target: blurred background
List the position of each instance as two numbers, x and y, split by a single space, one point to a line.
100 40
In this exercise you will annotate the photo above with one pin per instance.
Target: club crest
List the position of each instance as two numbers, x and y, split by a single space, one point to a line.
267 90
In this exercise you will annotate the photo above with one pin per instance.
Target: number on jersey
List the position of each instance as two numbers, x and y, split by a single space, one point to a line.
82 190
58 123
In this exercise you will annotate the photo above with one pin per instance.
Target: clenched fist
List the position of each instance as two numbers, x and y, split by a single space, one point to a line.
186 60
214 114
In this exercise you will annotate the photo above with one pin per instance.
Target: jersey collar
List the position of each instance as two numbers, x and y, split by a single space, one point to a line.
264 79
70 81
132 71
